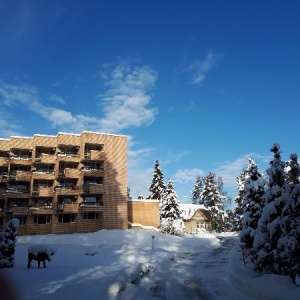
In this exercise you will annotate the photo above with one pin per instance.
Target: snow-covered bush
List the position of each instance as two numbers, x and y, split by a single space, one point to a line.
8 243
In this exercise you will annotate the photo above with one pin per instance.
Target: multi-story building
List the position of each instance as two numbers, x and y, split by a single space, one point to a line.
65 183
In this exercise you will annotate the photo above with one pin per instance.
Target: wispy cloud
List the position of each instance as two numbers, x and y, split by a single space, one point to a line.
200 68
28 97
126 102
229 170
187 175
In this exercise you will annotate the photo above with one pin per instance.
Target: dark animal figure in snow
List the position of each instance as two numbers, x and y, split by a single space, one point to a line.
40 254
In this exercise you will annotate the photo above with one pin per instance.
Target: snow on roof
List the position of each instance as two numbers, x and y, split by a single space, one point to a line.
143 200
60 133
188 211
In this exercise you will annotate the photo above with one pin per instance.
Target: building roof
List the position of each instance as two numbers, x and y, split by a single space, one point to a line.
189 210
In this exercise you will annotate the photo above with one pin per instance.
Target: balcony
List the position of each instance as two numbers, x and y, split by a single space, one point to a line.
91 206
39 209
68 157
43 175
67 207
93 172
93 188
43 192
4 161
17 193
3 178
66 190
46 159
21 176
71 173
94 155
18 210
20 160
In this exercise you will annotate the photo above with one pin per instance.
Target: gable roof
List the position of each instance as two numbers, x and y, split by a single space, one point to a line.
189 210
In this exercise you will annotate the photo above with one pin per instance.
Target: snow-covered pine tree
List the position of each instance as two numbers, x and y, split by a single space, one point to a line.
238 210
213 200
292 169
196 192
170 213
157 185
266 253
254 187
7 244
288 243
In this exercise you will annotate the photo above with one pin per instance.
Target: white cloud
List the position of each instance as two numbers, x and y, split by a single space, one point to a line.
200 68
230 170
187 175
125 103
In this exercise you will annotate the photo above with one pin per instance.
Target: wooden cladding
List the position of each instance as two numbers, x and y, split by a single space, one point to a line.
64 170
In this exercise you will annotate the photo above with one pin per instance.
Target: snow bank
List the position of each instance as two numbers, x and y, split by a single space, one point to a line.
266 286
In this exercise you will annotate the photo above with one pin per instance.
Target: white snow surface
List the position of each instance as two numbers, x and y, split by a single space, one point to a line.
121 264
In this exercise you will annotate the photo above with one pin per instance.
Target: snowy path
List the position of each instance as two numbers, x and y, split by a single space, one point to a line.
201 275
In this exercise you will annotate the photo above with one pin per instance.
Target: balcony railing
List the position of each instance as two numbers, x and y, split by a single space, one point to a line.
93 188
43 192
40 209
66 190
91 204
67 207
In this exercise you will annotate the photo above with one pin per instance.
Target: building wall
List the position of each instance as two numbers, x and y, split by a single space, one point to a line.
110 211
144 212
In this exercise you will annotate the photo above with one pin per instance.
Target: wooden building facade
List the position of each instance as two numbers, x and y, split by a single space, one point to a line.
65 183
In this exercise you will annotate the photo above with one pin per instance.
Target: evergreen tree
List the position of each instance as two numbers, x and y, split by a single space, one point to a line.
238 210
226 200
253 203
7 244
288 243
266 251
196 192
170 213
292 169
213 200
157 185
128 193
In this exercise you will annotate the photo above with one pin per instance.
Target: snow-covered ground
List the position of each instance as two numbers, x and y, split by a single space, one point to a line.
121 264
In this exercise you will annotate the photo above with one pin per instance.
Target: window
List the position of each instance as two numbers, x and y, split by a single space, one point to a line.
93 180
42 184
93 165
20 186
3 170
66 183
93 200
40 151
44 201
66 199
3 154
68 150
91 216
92 147
20 202
21 153
66 218
19 168
44 168
42 219
22 220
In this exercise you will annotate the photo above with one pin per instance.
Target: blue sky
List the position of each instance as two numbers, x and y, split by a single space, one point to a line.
199 85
